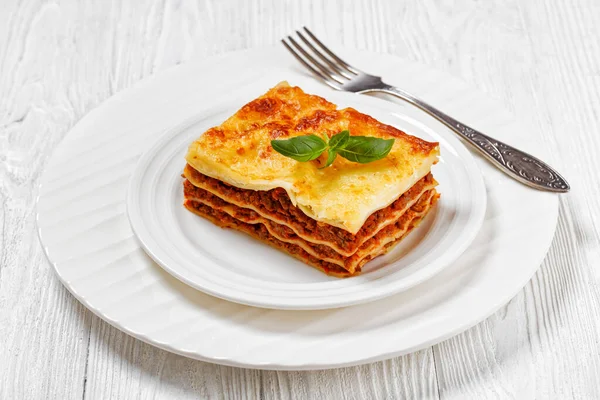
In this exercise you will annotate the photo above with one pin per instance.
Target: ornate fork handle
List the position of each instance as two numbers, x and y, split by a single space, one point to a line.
516 163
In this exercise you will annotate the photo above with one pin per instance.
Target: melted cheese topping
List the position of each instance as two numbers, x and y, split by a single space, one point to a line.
239 153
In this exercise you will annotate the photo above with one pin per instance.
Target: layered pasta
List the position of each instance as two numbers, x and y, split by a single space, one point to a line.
335 219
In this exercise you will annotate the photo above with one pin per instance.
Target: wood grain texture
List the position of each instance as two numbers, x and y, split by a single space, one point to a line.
58 60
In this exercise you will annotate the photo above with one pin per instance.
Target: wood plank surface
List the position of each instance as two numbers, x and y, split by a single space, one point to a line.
540 58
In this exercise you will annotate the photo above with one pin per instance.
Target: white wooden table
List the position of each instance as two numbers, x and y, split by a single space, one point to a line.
541 58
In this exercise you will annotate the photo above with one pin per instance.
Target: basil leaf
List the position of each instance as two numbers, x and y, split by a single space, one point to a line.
365 149
360 149
339 140
330 158
300 148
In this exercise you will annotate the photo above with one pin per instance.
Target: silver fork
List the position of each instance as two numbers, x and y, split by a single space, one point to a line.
340 75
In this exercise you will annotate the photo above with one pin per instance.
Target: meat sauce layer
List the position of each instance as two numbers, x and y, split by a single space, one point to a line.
286 234
259 231
277 204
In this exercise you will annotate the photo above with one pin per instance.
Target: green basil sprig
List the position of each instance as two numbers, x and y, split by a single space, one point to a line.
360 149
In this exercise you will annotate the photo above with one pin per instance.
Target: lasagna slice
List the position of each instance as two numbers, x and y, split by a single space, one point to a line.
336 218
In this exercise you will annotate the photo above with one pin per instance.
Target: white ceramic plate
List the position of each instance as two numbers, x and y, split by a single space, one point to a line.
87 237
235 267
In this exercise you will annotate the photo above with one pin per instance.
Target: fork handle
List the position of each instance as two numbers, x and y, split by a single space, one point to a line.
517 164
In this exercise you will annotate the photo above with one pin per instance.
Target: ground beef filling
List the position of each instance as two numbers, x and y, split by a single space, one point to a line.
260 232
277 204
286 234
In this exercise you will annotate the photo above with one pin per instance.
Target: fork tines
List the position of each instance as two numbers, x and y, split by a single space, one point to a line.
327 65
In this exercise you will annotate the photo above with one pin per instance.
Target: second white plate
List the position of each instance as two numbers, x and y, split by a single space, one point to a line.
232 266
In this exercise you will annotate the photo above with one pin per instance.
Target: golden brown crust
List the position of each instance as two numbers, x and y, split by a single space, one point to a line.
277 111
363 123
